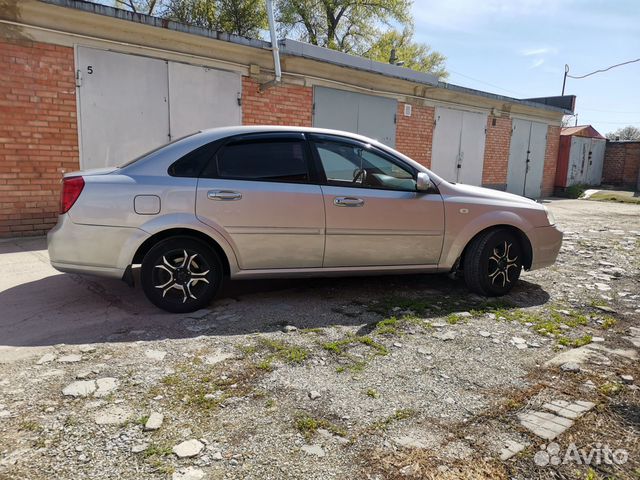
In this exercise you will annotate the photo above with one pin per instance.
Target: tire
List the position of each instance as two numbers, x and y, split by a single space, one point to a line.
178 283
493 262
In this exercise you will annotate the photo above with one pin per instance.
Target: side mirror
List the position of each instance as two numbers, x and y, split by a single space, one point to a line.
423 182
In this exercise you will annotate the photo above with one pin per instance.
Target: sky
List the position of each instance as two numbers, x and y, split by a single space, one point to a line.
519 48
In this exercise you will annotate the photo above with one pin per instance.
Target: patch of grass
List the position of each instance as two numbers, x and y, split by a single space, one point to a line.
598 302
388 326
270 403
396 416
608 322
319 331
155 450
453 318
576 342
610 388
308 426
388 304
372 392
339 346
142 420
618 197
160 467
30 426
575 191
284 351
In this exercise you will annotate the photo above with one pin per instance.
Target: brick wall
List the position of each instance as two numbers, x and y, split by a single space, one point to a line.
496 152
280 105
550 160
414 134
38 134
621 164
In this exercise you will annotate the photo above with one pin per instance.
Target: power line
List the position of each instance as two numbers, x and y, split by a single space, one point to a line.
486 83
603 70
610 111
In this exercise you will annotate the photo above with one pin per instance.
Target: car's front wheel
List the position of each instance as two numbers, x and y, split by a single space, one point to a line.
493 262
181 274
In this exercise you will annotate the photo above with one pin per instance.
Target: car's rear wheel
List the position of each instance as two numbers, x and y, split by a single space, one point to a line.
181 274
493 262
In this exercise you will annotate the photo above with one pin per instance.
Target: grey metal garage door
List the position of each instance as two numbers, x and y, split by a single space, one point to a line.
367 115
458 145
526 158
130 104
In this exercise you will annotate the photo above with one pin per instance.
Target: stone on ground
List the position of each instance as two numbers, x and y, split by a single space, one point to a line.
189 448
510 449
154 422
105 386
46 358
157 355
313 450
73 358
80 388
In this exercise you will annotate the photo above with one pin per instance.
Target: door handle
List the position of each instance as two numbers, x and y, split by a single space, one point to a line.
223 195
348 202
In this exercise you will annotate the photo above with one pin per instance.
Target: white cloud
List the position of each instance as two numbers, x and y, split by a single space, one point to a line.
536 63
528 52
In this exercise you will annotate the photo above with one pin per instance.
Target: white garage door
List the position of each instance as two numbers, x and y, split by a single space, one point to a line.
367 115
458 145
130 104
201 98
526 158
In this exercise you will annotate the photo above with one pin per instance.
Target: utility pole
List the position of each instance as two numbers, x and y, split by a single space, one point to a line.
564 81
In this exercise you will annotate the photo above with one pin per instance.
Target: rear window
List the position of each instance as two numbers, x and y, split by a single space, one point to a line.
279 160
154 150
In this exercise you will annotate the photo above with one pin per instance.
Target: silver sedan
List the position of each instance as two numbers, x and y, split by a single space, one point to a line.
250 202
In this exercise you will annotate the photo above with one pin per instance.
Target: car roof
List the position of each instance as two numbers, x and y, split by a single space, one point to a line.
222 132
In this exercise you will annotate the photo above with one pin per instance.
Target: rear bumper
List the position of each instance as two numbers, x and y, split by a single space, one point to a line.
546 243
95 249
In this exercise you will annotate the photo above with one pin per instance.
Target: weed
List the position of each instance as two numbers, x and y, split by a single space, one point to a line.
142 420
285 351
388 326
30 426
373 393
575 343
340 346
388 304
308 426
453 318
608 322
270 403
396 416
155 450
610 388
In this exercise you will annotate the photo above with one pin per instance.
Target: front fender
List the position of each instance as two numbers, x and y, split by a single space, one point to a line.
460 230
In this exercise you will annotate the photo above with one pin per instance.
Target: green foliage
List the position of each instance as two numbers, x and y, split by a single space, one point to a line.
413 55
396 416
608 322
575 191
369 28
240 17
308 426
372 392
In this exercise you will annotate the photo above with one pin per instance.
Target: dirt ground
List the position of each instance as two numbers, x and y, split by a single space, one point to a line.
366 378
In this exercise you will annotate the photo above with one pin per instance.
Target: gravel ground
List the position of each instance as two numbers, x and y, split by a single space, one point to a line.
376 377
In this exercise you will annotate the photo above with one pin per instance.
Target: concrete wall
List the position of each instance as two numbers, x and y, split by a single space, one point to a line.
621 164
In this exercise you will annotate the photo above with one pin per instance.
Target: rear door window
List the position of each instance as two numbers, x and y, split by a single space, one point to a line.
277 160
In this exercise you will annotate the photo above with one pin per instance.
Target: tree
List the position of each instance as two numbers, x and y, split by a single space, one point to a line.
240 17
413 55
147 7
350 26
626 133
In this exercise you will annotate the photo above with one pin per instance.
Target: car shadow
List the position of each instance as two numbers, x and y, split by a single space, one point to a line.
77 309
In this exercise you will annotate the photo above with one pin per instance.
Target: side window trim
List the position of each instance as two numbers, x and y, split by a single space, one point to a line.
212 172
315 139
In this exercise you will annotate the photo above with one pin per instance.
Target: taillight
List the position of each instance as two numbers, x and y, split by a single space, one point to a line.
71 189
